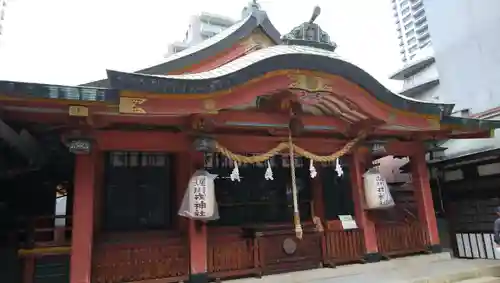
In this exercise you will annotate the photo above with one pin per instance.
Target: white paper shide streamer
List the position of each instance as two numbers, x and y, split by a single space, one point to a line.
235 174
312 171
338 168
269 172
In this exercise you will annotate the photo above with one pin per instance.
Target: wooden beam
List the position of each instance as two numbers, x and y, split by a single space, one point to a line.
275 120
142 141
181 142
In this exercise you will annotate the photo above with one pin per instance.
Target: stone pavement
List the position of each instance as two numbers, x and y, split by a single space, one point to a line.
438 268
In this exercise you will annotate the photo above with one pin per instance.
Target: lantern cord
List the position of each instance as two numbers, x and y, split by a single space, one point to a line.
282 146
296 214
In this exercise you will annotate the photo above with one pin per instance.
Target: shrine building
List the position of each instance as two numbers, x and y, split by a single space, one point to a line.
280 134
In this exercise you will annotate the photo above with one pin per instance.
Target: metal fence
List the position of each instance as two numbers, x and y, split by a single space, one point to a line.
473 245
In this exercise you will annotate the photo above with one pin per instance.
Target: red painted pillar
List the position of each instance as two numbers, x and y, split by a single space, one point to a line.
197 233
83 212
362 217
423 197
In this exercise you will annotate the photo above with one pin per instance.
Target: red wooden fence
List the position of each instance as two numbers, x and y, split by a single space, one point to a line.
164 257
232 255
343 246
399 239
231 252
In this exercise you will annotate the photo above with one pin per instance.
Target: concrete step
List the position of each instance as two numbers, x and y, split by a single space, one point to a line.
436 268
486 279
465 271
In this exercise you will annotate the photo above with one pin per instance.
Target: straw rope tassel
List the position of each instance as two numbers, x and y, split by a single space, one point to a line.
296 214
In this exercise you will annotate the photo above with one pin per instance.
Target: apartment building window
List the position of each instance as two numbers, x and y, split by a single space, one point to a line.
406 19
405 11
424 38
413 40
418 5
408 26
410 33
403 3
419 14
412 49
422 29
425 44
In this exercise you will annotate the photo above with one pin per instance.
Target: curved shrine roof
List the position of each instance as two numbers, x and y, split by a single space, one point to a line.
305 66
275 58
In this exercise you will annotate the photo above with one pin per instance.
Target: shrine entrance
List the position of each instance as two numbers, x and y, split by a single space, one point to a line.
255 232
255 200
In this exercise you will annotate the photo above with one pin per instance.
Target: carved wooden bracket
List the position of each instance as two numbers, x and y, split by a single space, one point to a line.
201 123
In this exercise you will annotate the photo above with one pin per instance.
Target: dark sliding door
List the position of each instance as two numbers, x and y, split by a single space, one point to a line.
138 191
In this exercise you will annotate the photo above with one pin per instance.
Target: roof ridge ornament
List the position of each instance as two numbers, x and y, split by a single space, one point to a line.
316 13
310 34
250 8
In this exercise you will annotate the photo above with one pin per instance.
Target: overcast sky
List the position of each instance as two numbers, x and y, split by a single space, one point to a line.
75 41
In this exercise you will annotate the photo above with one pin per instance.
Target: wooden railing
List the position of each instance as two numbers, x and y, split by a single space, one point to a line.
44 248
157 256
399 239
343 246
232 255
41 231
257 251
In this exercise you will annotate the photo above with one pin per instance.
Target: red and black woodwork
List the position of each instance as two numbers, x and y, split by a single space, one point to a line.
251 81
141 257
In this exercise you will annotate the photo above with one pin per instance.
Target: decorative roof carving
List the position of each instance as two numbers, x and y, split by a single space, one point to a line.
252 7
310 34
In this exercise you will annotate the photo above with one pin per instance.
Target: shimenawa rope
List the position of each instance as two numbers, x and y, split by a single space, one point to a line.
284 145
296 214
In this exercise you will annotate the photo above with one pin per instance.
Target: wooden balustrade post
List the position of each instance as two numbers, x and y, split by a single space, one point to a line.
83 216
423 197
256 257
362 218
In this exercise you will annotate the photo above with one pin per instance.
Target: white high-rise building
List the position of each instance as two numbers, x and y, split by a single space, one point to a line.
201 27
412 28
3 7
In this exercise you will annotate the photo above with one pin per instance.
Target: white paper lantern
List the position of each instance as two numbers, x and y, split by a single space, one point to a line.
199 199
377 193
